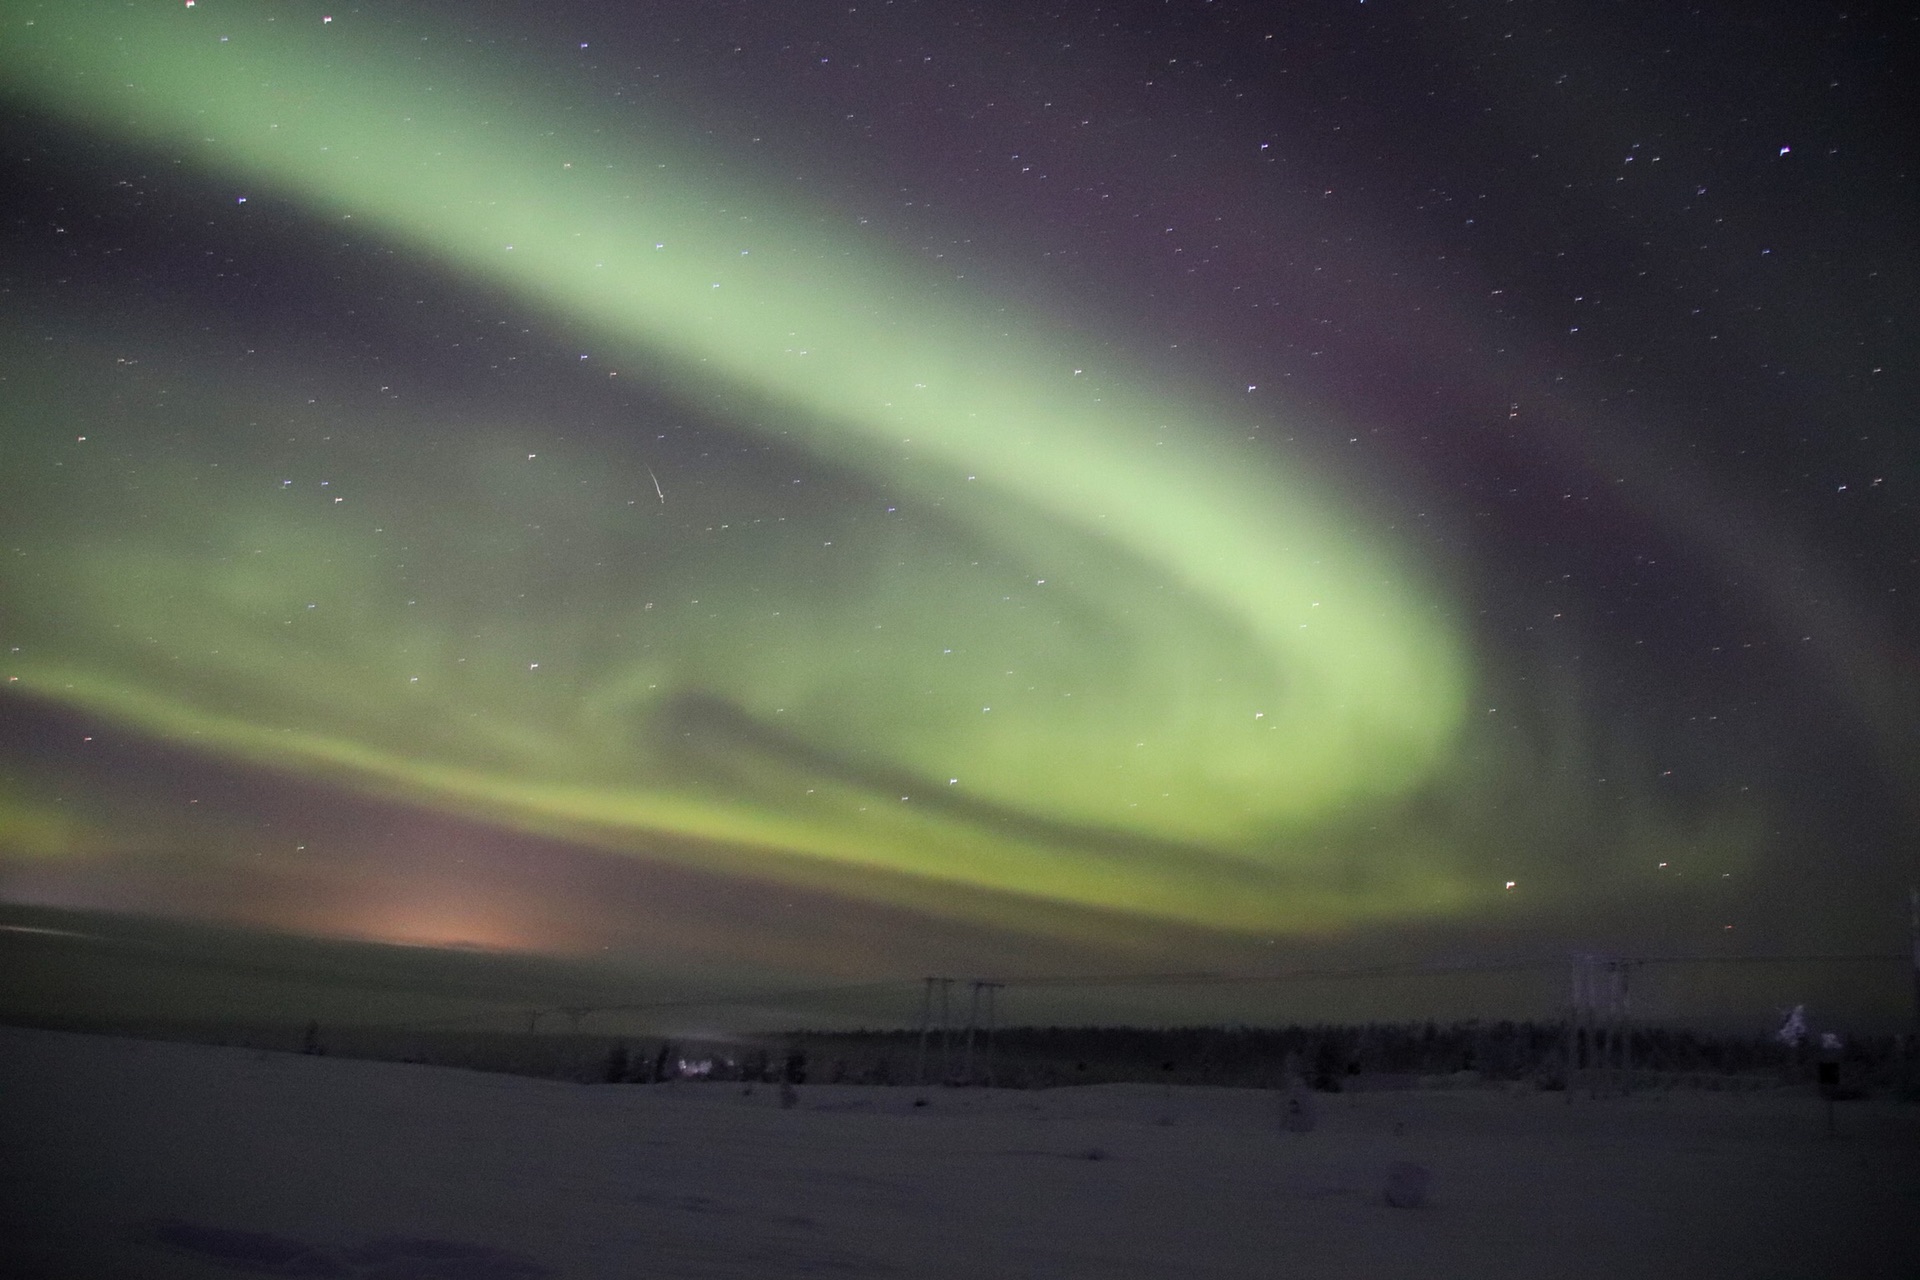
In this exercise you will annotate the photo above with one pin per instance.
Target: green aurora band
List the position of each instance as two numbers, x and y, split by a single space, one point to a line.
1103 655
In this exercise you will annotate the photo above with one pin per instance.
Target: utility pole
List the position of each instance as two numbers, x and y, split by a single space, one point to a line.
1574 1005
926 1018
981 987
1623 1021
990 988
945 987
946 1031
1913 900
1598 1026
973 1021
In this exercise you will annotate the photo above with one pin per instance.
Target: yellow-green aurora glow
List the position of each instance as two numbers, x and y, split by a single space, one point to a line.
1081 644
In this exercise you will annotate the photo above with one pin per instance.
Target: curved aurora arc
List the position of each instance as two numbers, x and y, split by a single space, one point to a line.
1114 660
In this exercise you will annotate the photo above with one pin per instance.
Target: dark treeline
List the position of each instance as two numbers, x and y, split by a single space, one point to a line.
1327 1057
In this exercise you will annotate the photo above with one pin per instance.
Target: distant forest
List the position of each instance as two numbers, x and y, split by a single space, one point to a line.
1327 1057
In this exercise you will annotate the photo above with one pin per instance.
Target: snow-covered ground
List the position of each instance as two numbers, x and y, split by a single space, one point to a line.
124 1160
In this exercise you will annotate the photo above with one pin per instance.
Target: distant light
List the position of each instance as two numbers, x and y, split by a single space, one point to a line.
1510 884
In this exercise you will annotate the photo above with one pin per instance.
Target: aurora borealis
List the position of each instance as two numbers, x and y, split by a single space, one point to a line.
593 478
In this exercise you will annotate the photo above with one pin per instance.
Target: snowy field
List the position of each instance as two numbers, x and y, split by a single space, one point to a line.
125 1160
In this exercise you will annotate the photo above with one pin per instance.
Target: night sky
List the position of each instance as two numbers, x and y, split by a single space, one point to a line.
807 492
